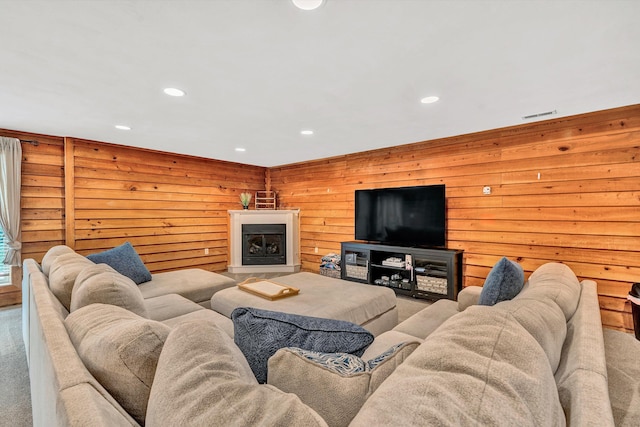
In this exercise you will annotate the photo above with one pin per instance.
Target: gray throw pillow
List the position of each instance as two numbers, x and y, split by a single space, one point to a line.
125 260
505 281
260 333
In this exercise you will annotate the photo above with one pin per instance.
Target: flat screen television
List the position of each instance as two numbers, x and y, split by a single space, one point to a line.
403 216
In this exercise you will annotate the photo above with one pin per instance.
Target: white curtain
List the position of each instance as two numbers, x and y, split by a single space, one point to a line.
10 182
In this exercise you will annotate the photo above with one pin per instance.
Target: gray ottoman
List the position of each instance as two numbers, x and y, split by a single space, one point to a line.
373 307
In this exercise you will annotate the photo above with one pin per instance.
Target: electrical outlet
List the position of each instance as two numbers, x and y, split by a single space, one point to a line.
486 190
206 251
315 249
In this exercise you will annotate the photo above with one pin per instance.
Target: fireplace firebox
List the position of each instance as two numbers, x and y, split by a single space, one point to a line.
264 244
290 218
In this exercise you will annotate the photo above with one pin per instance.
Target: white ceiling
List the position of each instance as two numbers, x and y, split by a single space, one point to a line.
257 72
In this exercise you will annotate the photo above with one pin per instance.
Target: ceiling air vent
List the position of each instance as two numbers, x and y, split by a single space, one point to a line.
533 116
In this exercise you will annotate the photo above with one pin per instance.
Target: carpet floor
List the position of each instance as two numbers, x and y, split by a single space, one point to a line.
15 395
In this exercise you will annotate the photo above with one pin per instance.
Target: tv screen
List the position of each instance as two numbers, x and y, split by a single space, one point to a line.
413 216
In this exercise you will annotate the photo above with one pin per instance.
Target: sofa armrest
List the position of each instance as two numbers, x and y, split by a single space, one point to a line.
385 341
468 296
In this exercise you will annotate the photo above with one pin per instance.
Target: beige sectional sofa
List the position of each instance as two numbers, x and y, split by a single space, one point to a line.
195 285
535 360
116 358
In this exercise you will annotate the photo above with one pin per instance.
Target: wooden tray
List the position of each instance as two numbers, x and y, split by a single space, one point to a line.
267 289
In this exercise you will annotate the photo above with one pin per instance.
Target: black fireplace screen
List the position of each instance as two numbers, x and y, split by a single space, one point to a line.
264 244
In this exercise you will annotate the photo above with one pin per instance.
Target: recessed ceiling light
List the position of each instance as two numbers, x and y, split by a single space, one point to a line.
429 99
240 149
123 127
307 4
306 132
172 91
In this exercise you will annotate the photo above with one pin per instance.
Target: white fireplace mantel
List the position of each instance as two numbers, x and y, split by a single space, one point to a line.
289 217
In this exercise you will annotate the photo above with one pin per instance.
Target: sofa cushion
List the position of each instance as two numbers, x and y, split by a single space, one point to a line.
62 275
481 367
505 280
544 320
260 333
99 283
121 351
427 320
125 260
52 254
168 306
195 284
557 282
203 379
222 322
346 381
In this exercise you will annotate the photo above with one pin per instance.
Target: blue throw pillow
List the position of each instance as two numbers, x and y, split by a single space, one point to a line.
505 281
125 260
260 333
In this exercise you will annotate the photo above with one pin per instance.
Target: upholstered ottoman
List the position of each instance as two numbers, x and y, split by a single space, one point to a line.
373 307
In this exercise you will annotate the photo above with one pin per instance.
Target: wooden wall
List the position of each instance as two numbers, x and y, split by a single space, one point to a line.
172 208
42 200
93 196
582 209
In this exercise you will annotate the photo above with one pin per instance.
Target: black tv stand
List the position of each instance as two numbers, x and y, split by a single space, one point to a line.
431 273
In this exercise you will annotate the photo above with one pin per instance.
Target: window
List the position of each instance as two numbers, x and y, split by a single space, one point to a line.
5 270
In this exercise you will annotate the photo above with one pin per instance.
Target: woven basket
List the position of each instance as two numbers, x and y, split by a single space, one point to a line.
436 285
356 271
330 272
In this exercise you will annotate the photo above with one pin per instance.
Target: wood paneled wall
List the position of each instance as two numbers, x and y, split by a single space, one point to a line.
171 208
41 202
42 199
93 196
564 190
583 209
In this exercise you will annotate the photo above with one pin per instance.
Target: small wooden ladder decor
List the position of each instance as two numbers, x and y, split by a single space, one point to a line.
265 200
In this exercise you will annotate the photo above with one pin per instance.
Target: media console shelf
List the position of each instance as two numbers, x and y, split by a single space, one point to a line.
417 272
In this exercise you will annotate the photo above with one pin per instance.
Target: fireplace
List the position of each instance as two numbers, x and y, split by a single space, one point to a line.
264 241
264 244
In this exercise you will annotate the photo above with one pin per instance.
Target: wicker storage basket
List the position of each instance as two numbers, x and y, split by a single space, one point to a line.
436 285
330 272
356 272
